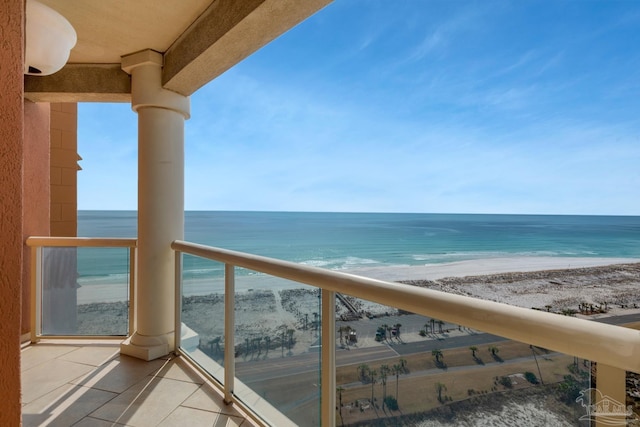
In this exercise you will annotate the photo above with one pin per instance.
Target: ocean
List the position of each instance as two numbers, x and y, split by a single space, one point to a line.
343 241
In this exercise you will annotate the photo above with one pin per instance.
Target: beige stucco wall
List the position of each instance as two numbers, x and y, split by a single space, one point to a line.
11 155
64 169
35 200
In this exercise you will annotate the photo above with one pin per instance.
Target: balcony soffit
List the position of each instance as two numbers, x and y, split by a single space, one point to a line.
200 39
108 30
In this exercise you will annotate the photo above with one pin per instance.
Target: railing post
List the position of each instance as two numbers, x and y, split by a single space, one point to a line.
178 299
610 396
229 332
132 290
328 362
36 293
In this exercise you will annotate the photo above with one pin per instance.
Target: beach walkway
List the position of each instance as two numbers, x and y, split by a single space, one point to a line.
91 384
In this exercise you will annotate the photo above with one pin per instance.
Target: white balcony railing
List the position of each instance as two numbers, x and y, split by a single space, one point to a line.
615 349
55 260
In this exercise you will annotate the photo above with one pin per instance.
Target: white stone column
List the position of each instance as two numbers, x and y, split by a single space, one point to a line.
161 116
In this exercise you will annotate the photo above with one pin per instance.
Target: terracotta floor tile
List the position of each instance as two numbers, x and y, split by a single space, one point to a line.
147 403
64 406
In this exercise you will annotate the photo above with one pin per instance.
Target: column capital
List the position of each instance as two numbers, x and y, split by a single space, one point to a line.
145 68
144 57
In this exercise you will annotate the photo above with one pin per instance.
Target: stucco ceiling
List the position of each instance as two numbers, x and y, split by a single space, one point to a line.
110 29
199 40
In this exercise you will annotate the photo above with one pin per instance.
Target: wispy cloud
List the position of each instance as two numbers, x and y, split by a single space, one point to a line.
446 107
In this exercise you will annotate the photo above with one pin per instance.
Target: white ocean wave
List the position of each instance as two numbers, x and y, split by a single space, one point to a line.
472 255
341 263
103 279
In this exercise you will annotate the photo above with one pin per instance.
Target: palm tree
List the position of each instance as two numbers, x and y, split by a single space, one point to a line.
216 341
473 349
363 370
373 374
440 325
267 341
347 331
437 353
440 388
340 390
290 333
258 342
283 329
384 370
397 369
403 365
341 332
536 359
397 326
386 330
282 341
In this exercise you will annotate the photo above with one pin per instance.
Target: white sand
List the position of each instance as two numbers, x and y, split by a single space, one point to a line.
479 267
527 295
533 290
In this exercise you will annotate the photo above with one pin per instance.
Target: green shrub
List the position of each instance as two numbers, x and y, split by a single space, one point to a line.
391 403
531 377
506 381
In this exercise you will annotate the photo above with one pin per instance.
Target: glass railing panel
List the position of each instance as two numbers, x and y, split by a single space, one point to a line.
203 313
408 369
85 291
278 346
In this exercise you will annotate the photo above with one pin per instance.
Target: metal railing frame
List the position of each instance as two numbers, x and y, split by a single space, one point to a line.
613 347
37 243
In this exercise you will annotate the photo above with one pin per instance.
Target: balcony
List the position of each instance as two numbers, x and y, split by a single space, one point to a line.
88 383
265 357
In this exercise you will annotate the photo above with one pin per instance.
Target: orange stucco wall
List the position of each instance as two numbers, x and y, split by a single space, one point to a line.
64 169
11 155
35 200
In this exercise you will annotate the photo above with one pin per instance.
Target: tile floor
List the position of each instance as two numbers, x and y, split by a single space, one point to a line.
91 384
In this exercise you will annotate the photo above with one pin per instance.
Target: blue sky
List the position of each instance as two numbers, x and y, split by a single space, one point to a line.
408 106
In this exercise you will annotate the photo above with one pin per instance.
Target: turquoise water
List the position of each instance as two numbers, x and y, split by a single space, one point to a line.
351 240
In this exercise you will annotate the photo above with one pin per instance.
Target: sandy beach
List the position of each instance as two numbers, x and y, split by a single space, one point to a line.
278 319
479 267
269 307
562 283
547 283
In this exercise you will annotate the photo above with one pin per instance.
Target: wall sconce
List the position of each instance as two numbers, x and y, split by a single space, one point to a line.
49 40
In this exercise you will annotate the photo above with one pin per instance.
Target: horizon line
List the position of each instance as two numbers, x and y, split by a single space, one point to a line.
377 212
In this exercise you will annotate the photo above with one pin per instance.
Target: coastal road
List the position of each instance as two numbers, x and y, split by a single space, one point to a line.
619 320
261 370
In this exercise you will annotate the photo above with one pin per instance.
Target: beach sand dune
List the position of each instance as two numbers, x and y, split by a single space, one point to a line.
554 284
478 267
